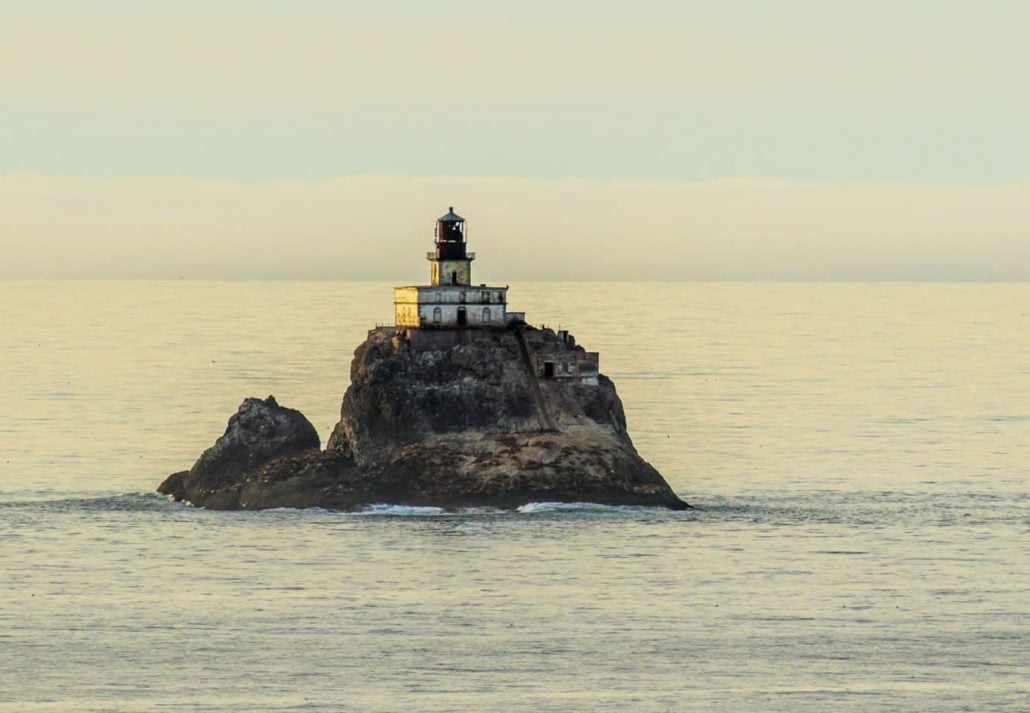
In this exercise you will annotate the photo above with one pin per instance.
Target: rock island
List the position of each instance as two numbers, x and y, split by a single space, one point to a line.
461 403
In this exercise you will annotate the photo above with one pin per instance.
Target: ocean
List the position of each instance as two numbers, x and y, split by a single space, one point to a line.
858 455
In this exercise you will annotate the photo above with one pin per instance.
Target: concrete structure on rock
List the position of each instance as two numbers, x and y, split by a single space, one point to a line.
447 311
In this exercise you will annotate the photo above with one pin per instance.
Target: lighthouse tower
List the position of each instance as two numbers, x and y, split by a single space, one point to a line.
450 300
451 263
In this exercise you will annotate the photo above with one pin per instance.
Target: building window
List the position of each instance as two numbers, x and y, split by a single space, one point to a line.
437 315
486 315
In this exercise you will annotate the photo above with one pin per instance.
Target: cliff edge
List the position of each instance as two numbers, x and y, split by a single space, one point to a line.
447 417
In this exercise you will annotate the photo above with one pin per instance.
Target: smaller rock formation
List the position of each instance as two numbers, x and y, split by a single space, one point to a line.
259 431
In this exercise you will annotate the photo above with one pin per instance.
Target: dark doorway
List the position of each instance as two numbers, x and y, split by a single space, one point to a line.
548 369
462 317
454 277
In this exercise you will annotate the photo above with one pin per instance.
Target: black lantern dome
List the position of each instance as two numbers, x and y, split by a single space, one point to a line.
450 236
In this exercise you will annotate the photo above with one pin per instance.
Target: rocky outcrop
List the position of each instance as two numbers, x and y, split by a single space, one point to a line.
451 418
259 432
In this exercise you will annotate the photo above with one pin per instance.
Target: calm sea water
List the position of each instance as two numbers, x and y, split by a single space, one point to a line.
859 453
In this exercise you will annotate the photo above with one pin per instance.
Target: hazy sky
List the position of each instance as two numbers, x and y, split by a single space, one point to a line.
741 140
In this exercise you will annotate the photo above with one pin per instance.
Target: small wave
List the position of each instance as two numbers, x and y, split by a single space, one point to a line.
385 509
531 508
120 501
860 508
402 510
527 509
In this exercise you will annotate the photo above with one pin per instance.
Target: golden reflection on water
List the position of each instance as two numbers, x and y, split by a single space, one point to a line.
726 386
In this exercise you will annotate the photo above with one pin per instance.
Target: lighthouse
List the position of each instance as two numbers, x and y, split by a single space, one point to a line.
450 300
451 263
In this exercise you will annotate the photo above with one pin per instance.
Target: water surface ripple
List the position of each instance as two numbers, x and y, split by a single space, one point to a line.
858 454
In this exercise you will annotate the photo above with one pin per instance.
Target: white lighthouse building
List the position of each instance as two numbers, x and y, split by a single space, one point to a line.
451 300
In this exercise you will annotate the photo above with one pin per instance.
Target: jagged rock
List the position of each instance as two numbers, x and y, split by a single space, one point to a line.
259 431
451 418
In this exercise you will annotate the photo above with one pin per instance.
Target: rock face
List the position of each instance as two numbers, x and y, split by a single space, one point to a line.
451 418
259 431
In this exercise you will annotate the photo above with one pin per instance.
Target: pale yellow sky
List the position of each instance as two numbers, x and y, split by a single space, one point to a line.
895 90
614 139
379 228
